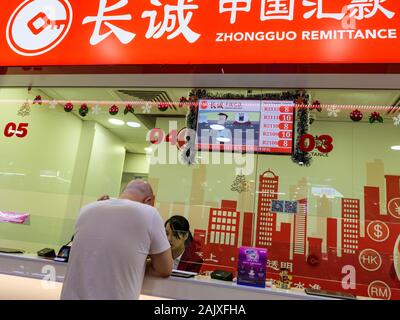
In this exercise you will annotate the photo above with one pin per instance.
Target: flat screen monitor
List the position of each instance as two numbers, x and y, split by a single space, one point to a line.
258 126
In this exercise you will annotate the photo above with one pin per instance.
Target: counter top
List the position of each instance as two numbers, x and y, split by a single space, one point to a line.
197 288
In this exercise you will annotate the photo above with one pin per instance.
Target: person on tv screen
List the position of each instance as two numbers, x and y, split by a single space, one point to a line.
183 246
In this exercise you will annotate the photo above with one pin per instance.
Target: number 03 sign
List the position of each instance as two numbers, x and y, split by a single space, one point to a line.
323 143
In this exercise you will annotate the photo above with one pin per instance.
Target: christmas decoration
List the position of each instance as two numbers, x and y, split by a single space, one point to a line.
129 109
356 115
284 279
299 156
96 110
397 120
147 108
83 110
316 105
298 96
113 110
163 106
38 100
188 154
375 117
312 118
189 150
183 101
240 184
68 107
52 104
333 111
25 109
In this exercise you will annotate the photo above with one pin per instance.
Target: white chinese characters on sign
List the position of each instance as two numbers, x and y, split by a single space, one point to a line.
277 9
287 265
124 36
273 264
212 258
176 21
318 8
364 9
359 9
234 6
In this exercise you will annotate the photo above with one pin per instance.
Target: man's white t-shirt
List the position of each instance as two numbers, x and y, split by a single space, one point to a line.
108 256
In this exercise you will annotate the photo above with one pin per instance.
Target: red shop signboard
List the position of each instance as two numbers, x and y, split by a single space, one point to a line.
122 32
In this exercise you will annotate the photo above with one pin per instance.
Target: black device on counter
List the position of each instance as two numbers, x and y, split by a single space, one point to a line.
330 294
63 254
11 250
46 253
182 274
222 275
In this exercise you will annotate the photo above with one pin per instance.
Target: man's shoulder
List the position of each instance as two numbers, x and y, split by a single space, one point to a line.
123 204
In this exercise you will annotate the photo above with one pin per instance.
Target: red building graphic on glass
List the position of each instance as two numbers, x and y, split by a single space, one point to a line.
350 225
223 224
266 220
300 227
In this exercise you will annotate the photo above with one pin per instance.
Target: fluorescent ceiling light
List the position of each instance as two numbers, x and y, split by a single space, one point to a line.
217 127
395 148
133 124
223 139
117 122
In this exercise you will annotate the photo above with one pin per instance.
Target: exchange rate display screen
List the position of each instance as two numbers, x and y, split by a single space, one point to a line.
257 126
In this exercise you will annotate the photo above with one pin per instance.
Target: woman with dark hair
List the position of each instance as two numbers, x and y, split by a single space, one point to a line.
182 245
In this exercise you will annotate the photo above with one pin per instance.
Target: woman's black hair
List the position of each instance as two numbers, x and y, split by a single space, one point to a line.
180 227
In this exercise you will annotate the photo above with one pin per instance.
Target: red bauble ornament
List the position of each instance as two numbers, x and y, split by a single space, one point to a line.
163 106
129 108
113 110
68 107
83 110
356 115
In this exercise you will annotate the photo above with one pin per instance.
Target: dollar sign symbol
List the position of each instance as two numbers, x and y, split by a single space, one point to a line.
378 231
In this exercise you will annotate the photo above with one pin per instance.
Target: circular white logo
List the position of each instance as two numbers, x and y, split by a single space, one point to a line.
38 26
370 259
379 290
378 231
394 207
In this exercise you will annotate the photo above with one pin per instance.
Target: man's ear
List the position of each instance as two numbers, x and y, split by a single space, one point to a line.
149 201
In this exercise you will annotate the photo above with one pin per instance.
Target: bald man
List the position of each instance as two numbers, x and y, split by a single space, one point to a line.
112 241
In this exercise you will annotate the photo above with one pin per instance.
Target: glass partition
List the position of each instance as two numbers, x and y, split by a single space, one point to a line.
327 211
